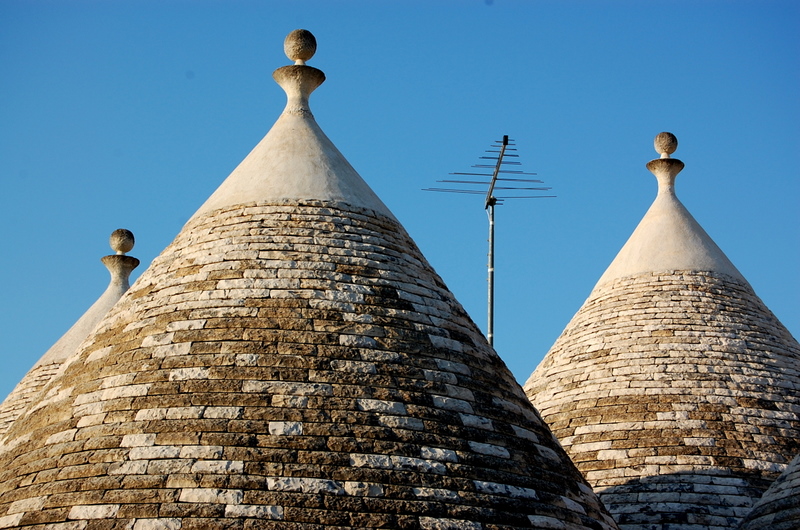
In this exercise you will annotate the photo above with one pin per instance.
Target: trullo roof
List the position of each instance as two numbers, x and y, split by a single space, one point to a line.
120 267
779 507
289 361
674 389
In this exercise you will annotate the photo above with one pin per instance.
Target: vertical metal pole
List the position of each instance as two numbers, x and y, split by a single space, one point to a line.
491 201
490 312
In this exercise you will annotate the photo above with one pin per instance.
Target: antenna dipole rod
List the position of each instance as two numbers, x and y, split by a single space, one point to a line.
496 171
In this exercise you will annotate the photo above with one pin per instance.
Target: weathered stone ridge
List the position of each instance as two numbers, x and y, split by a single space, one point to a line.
292 366
677 394
779 508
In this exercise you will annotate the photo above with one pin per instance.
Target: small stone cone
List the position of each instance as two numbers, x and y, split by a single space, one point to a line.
120 268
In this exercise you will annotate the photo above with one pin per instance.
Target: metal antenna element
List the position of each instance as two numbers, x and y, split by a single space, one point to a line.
516 189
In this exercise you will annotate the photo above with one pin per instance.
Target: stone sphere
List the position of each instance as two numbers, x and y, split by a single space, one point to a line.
121 240
665 143
300 45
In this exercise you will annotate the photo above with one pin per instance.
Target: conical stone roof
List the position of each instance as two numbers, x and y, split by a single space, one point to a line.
779 508
674 389
289 361
120 267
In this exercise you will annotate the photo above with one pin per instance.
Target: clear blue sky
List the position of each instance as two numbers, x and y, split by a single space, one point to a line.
128 114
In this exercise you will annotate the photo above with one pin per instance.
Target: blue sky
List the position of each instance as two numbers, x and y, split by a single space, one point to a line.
128 114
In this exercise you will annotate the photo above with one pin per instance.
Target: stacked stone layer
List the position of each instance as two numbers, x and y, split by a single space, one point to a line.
677 395
25 392
288 366
779 508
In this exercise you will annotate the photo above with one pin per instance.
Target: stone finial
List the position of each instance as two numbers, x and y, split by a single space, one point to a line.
665 168
300 46
299 80
121 241
120 265
665 143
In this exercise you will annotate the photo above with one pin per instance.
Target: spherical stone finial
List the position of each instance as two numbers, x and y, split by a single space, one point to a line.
665 143
121 241
300 46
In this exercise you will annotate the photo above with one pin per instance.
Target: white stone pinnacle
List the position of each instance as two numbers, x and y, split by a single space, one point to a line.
668 238
119 267
295 160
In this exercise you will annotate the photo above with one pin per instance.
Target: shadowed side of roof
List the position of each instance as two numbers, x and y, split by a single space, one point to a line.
779 508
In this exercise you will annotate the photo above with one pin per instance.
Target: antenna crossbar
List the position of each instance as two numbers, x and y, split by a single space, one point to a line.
451 190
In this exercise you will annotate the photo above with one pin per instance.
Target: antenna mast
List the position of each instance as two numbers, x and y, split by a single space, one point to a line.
489 205
491 201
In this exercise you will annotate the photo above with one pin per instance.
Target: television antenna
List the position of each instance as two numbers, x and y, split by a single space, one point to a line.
512 187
